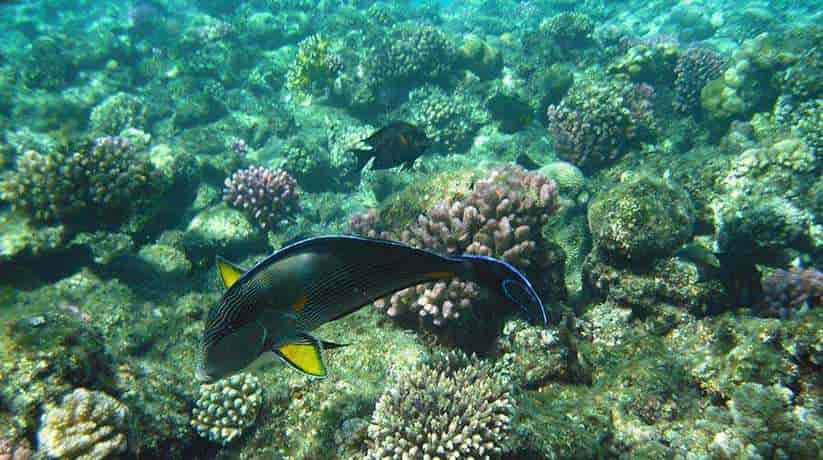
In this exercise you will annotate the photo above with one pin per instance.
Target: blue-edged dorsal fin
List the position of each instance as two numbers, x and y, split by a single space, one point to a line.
229 272
304 354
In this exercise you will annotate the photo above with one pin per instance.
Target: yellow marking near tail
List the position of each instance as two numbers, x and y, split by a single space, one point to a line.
305 357
229 272
404 140
440 275
300 304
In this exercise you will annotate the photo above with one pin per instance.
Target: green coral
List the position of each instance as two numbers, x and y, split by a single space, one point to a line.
117 113
315 67
639 220
448 120
105 181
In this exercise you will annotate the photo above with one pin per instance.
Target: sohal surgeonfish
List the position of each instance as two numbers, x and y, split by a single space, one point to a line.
273 306
398 143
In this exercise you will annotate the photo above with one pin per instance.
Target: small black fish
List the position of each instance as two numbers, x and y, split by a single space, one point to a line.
738 274
395 144
526 162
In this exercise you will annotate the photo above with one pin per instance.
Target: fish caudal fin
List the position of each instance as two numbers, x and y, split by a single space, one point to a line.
229 272
305 355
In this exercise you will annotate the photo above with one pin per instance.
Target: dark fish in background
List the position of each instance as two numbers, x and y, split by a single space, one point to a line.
398 143
526 162
738 274
272 307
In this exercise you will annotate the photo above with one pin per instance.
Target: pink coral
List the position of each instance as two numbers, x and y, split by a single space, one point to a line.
267 196
502 217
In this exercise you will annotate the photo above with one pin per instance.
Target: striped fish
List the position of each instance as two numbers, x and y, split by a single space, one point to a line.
273 306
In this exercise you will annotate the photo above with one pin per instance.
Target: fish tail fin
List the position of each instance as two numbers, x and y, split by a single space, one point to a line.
507 281
305 354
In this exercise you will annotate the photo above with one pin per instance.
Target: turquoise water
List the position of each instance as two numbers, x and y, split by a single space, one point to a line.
575 229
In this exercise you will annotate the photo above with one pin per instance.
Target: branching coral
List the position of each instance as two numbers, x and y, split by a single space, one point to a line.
267 196
105 179
598 121
451 407
227 407
315 67
411 53
87 425
501 217
449 120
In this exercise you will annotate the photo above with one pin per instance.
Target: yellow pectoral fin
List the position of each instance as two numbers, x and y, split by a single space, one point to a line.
229 272
305 357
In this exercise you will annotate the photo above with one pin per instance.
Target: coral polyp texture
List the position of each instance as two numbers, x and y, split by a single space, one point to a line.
315 67
452 406
502 217
267 196
86 425
226 408
107 179
598 121
695 67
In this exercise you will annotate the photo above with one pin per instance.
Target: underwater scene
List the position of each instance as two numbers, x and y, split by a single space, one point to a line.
411 229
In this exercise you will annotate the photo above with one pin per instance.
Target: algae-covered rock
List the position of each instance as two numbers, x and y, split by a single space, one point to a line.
222 229
165 260
641 220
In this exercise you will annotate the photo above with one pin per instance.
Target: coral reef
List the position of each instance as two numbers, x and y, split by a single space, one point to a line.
449 120
86 425
267 196
640 220
107 179
117 113
569 30
411 53
501 217
598 121
695 67
451 406
315 67
226 408
786 291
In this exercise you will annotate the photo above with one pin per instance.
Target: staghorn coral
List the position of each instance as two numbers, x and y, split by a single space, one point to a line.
86 425
695 67
598 121
453 406
224 409
104 180
267 196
